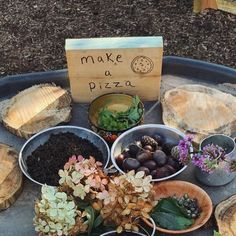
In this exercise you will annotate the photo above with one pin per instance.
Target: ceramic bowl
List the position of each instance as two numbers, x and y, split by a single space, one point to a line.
168 134
113 101
177 187
38 139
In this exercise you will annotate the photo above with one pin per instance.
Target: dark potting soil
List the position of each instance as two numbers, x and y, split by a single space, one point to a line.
45 161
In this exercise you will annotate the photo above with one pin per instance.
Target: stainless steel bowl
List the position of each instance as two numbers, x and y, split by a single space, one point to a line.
167 133
40 138
150 221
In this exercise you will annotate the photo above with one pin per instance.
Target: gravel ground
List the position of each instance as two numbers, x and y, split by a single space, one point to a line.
33 33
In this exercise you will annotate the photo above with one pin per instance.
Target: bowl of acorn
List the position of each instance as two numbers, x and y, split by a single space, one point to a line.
148 148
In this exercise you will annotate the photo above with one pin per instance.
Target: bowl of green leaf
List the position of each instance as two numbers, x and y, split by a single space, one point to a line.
112 114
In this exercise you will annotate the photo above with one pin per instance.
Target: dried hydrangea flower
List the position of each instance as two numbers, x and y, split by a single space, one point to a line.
83 177
55 214
127 198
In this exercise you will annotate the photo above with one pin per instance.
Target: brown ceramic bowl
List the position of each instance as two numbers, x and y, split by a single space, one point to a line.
113 101
179 188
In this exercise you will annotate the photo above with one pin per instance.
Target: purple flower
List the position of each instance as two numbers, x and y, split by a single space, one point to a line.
203 162
207 159
184 149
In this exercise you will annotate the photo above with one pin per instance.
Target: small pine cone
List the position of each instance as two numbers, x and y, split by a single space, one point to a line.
147 140
175 152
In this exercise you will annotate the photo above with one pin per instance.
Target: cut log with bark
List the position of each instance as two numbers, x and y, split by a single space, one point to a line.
199 110
36 108
10 176
225 214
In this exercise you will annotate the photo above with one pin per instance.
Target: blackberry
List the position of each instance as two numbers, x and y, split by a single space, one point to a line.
147 140
190 205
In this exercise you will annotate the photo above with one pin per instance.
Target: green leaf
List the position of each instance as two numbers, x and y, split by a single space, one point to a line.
217 233
82 204
90 215
171 221
98 221
111 120
170 205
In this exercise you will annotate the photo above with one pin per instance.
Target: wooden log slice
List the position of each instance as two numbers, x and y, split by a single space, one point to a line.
199 110
10 176
225 214
36 108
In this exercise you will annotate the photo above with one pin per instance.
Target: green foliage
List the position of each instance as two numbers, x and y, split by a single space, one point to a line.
98 221
171 221
217 233
169 214
90 215
116 121
170 205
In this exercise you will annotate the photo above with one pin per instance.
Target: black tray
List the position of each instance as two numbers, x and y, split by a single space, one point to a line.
17 220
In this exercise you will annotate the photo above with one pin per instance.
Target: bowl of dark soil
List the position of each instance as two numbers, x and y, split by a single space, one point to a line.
44 154
112 114
148 148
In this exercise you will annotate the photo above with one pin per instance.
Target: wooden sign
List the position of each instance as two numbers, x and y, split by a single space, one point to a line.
103 65
224 5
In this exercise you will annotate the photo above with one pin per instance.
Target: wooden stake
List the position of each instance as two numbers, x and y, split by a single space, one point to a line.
200 5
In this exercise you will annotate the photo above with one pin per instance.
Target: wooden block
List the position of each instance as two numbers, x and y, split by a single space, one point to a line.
36 108
10 176
104 65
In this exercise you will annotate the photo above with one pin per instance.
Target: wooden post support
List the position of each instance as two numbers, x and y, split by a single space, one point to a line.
224 5
200 5
104 65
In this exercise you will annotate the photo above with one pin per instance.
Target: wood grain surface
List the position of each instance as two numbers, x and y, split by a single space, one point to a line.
10 176
36 108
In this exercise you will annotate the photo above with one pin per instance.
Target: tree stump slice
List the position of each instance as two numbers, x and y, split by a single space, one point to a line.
10 176
36 108
225 214
199 110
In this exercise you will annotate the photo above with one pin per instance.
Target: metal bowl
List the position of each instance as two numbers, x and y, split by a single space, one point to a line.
150 222
167 133
40 138
128 233
113 101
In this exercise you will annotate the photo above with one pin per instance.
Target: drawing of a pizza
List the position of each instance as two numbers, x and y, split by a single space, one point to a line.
142 65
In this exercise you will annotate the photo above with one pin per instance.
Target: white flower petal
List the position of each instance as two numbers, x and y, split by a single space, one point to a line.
140 174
